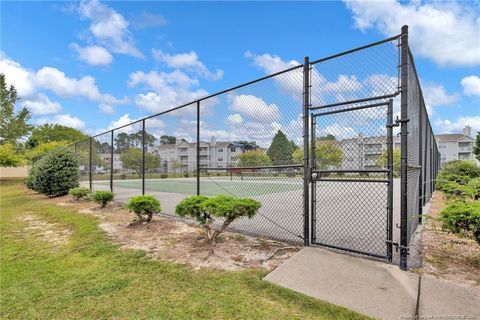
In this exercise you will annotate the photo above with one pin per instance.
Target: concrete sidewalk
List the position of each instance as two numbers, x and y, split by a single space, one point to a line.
372 288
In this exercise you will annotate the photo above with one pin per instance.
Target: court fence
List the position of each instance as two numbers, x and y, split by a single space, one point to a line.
337 150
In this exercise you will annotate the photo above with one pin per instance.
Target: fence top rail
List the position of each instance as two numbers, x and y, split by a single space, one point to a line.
249 83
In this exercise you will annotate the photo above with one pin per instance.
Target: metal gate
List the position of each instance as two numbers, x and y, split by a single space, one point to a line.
352 177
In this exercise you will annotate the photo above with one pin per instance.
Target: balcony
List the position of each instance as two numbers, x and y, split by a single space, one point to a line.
465 149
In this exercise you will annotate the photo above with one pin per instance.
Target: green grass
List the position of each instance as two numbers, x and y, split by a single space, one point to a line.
90 278
209 187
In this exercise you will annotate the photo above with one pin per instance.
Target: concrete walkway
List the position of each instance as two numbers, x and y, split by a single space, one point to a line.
373 288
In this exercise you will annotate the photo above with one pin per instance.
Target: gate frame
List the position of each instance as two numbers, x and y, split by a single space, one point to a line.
388 171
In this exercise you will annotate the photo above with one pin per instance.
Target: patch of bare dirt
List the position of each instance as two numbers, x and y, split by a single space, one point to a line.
446 255
55 235
183 242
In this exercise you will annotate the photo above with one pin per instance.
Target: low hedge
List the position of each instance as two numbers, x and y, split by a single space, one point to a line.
463 218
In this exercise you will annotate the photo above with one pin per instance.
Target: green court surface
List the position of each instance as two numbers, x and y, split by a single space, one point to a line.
211 187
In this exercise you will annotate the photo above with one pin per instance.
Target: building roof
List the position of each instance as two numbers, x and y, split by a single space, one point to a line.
451 137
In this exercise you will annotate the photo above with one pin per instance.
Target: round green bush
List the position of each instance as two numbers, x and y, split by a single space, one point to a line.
461 217
102 197
163 176
144 205
186 175
56 173
79 193
30 181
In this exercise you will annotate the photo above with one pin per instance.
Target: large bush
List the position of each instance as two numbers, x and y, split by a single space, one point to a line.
144 205
462 217
55 174
31 181
460 171
205 210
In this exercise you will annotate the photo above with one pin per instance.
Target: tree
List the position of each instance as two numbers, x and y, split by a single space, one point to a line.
168 139
281 149
476 147
43 148
298 156
328 154
54 132
382 161
254 158
9 158
132 160
13 125
123 141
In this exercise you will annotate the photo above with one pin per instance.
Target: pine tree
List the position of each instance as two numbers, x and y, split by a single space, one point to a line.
281 149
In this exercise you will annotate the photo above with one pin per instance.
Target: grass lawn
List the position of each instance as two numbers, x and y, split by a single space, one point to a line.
89 278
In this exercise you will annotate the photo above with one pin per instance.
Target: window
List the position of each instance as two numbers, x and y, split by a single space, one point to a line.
442 145
220 159
233 149
220 150
232 158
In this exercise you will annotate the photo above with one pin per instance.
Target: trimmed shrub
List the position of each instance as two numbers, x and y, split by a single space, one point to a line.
144 205
204 210
30 181
462 217
79 193
186 175
452 170
163 176
453 189
123 176
56 173
102 197
474 186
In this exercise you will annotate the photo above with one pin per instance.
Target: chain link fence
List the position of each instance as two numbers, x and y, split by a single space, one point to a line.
316 144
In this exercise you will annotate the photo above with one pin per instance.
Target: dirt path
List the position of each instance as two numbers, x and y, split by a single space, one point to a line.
55 235
446 255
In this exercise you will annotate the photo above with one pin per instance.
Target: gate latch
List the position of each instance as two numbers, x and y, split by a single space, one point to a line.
395 244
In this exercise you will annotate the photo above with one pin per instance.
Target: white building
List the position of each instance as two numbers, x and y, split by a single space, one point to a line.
456 146
181 156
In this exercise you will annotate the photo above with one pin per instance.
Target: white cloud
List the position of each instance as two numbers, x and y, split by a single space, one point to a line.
254 107
30 83
41 105
94 55
234 119
188 61
21 78
109 28
63 119
435 95
456 126
106 108
168 90
446 32
471 86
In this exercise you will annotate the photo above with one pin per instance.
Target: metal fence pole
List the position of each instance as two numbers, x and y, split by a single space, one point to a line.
306 168
403 149
90 163
111 162
198 148
390 180
421 177
143 156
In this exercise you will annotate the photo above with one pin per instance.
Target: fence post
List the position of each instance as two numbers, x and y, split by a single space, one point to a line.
306 168
198 148
90 163
421 176
390 180
404 149
111 162
143 156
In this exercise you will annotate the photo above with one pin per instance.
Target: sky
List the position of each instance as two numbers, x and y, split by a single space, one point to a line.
96 65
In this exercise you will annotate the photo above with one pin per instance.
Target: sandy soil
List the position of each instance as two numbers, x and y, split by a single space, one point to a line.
183 241
55 235
446 255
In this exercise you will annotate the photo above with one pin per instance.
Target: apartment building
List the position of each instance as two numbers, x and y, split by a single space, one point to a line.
181 156
363 153
456 146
